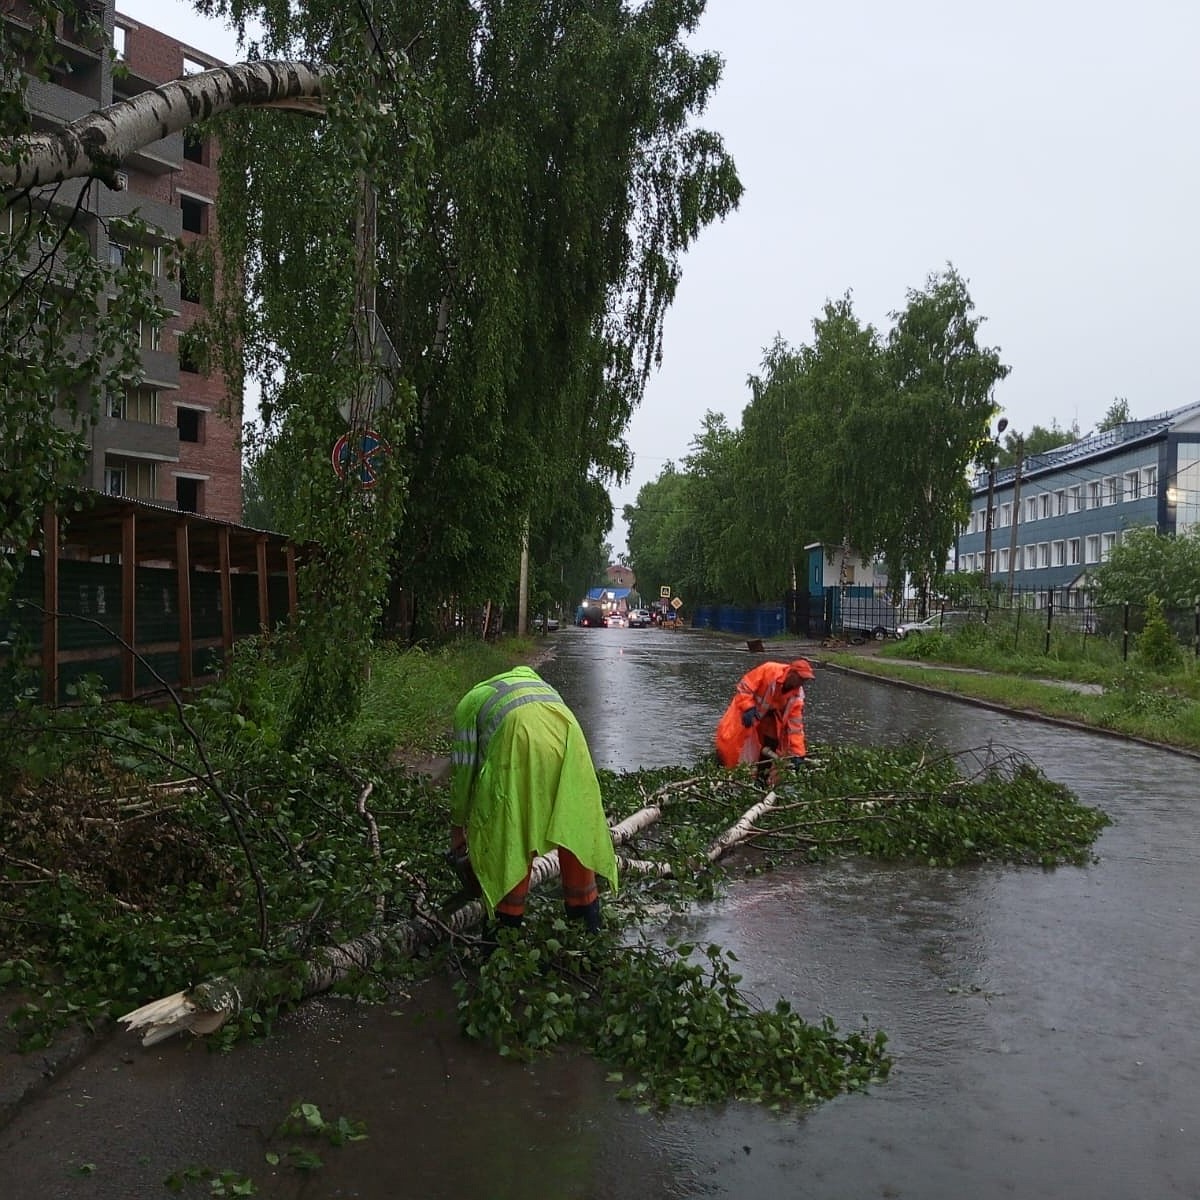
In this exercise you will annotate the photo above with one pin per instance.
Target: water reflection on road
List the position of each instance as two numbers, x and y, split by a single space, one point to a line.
1043 1021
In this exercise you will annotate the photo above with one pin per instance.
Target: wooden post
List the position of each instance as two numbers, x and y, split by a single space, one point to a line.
264 594
50 550
183 588
128 602
293 592
226 593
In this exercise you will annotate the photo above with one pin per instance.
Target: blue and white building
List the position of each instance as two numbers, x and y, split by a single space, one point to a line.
1075 502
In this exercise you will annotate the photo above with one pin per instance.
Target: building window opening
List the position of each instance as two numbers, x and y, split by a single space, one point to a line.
189 290
190 422
194 147
195 214
187 495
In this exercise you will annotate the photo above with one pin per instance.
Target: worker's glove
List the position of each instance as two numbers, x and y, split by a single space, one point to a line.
749 717
798 761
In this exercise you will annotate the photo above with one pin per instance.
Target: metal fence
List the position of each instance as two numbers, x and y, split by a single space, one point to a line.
1053 618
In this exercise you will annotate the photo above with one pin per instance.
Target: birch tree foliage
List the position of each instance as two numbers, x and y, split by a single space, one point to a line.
936 426
526 256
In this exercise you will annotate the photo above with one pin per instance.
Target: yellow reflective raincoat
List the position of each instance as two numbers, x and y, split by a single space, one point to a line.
522 782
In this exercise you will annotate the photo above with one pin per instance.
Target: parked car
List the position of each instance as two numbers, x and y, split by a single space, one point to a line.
943 622
639 618
550 624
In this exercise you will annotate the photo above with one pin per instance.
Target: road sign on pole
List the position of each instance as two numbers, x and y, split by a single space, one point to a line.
664 591
359 456
677 604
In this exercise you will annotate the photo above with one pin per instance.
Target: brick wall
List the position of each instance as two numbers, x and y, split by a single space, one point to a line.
158 58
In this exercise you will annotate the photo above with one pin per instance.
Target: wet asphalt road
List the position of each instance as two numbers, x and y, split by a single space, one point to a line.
1043 1022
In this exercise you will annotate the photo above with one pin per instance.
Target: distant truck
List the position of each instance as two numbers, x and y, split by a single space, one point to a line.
865 617
592 615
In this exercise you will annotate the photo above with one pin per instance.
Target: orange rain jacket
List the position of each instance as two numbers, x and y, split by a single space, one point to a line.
780 717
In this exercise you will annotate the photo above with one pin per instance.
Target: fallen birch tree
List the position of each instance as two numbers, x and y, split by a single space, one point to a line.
205 1008
95 145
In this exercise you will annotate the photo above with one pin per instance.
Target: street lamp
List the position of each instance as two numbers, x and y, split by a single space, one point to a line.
993 452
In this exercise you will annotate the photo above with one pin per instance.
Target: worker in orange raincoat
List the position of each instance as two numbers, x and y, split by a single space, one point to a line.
766 713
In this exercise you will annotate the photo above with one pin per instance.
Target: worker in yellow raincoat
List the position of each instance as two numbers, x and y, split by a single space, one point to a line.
766 713
522 783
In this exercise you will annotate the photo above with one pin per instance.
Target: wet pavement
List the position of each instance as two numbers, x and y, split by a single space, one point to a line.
1043 1021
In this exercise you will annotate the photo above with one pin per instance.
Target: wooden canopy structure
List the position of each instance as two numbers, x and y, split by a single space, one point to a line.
108 529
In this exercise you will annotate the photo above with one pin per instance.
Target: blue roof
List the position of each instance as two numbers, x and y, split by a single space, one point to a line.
1094 446
608 593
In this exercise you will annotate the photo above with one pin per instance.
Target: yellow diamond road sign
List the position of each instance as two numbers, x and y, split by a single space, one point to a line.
677 604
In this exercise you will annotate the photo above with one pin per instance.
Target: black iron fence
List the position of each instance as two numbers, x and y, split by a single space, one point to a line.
1068 616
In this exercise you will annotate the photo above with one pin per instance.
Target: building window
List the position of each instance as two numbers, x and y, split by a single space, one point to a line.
1112 490
1073 552
137 480
1031 508
136 404
1058 553
1132 485
1004 561
188 289
1030 557
1074 499
1005 515
193 66
1060 503
195 214
194 147
190 422
189 357
1044 505
187 495
1043 554
120 38
149 335
117 254
1094 493
1149 481
1092 548
1107 542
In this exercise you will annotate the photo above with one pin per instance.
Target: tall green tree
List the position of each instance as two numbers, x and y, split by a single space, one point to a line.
1116 414
538 184
1038 440
936 425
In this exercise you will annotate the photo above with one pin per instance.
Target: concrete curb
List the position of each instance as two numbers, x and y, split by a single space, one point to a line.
25 1076
1029 713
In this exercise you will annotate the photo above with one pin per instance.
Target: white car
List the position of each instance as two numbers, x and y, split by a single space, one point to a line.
639 618
943 622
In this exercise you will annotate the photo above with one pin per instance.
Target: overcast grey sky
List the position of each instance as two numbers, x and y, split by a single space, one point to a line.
1046 148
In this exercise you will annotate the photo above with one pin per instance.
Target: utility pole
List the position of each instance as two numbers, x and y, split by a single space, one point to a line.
993 451
1016 512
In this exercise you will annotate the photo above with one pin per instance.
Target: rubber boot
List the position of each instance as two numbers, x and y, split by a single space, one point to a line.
589 914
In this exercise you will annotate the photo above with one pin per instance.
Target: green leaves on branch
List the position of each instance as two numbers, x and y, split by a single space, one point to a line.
672 1017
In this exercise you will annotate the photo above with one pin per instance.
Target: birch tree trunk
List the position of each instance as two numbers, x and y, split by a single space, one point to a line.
205 1008
96 145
